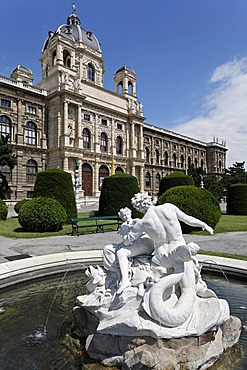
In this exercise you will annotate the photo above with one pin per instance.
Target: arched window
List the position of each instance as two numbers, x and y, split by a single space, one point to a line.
147 155
196 162
5 125
182 161
130 88
86 138
148 180
103 142
174 160
220 166
166 159
87 179
31 170
54 57
6 171
202 164
189 161
119 145
157 156
90 72
66 58
31 133
103 172
157 181
119 170
120 88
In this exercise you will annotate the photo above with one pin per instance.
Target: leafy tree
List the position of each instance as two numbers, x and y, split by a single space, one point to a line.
213 184
235 174
7 158
196 173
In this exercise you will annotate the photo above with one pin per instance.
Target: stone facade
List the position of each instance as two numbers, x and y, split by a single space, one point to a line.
69 120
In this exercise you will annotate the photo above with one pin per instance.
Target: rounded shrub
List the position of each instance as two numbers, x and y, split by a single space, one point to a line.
237 200
19 204
117 191
174 179
42 214
199 203
57 184
3 210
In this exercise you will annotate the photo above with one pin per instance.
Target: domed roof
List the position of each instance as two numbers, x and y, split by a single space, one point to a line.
127 69
74 32
22 69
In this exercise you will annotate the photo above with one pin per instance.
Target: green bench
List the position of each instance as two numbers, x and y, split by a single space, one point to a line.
97 222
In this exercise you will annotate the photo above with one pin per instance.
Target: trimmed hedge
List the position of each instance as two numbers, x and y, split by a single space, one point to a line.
199 203
237 200
57 184
19 204
117 191
174 179
42 214
3 210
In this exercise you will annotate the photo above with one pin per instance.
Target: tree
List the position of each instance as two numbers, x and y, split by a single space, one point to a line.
196 173
234 175
7 158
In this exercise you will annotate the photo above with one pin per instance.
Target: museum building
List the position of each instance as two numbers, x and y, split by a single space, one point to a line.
70 121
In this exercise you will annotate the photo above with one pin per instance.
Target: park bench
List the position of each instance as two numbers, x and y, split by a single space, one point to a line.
98 222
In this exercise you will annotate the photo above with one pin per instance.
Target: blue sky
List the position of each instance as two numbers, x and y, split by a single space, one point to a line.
190 57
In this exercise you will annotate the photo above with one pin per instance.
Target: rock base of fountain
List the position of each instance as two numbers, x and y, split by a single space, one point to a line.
130 352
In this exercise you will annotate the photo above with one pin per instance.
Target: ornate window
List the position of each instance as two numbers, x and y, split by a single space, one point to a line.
103 142
130 88
31 170
119 145
182 161
31 133
5 125
5 103
174 160
157 181
86 138
166 159
157 156
148 180
120 88
6 171
147 155
90 72
66 58
31 109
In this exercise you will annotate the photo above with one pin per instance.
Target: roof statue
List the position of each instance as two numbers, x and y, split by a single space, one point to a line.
73 7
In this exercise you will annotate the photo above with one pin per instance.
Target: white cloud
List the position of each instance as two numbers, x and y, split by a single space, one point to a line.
224 114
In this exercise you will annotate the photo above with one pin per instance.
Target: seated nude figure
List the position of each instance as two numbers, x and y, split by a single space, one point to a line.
161 224
115 257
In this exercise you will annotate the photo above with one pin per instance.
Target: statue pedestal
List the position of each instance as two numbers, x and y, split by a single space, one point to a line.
146 352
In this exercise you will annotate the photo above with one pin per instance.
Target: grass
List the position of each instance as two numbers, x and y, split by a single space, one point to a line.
11 228
225 255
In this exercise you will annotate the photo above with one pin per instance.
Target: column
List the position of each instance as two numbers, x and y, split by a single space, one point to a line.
96 134
20 134
141 179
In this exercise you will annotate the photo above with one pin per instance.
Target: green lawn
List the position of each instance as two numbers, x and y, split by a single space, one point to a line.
12 229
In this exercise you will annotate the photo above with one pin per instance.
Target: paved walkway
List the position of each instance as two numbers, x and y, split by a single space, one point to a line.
228 242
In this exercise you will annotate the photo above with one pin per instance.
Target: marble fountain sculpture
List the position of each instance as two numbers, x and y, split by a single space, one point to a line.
147 306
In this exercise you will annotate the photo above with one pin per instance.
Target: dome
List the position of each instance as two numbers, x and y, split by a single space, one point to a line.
127 69
22 69
74 32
